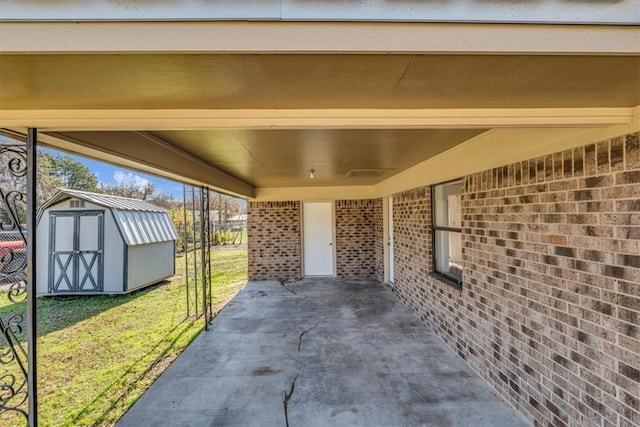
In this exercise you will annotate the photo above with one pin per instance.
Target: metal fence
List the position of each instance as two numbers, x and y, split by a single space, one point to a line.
196 236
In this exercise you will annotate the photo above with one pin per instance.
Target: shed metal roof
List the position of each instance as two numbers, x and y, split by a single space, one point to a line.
139 228
139 222
108 201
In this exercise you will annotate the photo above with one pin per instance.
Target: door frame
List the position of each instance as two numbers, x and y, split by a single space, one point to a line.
333 237
74 261
388 238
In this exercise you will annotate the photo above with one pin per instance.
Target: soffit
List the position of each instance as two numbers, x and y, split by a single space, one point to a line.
303 81
243 158
282 158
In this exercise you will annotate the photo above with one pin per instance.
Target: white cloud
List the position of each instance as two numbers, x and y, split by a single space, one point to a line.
130 178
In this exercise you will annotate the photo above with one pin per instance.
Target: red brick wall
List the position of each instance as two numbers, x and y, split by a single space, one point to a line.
274 240
549 312
356 230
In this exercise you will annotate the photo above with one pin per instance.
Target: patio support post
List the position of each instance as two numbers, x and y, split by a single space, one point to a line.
195 250
204 243
32 383
209 258
185 241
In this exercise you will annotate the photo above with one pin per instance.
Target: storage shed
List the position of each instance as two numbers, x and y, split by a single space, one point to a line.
94 243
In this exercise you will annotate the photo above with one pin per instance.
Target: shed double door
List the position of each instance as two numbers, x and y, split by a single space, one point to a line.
76 243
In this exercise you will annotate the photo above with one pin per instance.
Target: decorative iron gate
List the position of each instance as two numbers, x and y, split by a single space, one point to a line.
17 249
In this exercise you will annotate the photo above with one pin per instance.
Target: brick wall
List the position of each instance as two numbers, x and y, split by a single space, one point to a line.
274 240
436 303
356 231
550 305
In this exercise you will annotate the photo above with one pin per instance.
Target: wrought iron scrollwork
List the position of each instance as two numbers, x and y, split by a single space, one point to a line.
206 256
13 278
197 253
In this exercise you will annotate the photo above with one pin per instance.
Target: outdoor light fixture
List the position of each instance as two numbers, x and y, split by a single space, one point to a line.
312 173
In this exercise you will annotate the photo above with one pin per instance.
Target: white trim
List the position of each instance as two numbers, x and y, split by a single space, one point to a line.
505 146
552 11
77 120
314 194
388 239
167 161
316 37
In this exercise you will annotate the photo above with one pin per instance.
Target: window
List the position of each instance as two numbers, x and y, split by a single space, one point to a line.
447 231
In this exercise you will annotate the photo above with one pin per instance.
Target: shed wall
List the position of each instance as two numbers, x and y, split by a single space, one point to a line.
113 248
150 263
42 253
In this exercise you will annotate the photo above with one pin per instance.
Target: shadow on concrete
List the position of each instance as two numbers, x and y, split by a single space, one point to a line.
334 353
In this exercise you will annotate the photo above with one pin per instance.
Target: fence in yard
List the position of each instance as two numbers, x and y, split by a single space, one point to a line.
220 234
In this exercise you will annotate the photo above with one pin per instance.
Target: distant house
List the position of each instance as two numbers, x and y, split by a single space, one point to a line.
237 222
94 243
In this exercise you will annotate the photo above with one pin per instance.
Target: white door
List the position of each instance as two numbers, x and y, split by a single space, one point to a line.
390 242
318 239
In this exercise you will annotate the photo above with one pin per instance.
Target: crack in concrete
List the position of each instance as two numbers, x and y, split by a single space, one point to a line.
286 397
284 282
304 332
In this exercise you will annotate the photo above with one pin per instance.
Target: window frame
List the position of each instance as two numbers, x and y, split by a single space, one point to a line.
449 280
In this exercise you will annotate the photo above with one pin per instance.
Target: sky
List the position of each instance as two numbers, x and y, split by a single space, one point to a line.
111 175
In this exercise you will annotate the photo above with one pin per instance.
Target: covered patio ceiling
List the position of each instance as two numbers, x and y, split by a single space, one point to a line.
255 124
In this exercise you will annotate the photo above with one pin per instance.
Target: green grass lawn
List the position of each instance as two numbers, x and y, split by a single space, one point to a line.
97 355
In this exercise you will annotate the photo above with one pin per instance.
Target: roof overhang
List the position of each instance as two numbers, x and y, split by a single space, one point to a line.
249 108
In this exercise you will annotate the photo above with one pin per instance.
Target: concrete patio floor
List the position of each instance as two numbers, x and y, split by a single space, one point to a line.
357 356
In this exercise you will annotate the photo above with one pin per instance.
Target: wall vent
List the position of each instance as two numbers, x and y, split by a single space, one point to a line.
75 203
366 173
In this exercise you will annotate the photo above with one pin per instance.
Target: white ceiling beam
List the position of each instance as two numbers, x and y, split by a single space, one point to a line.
498 147
316 37
148 153
314 193
76 120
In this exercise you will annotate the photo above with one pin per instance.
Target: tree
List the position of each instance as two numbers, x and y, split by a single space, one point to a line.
13 181
164 200
47 183
227 206
132 190
72 174
182 223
